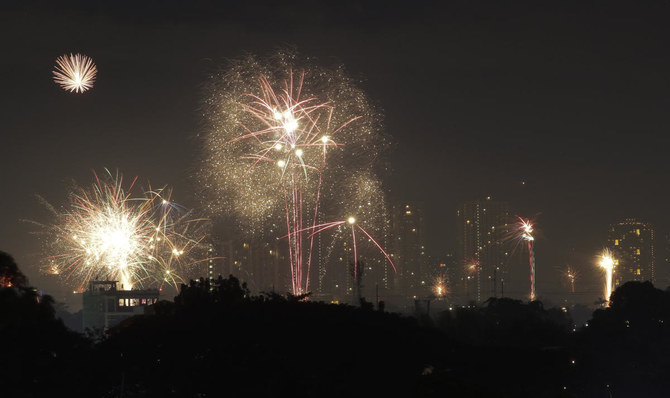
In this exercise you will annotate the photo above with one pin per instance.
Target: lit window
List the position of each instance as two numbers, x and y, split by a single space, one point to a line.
616 242
637 232
120 302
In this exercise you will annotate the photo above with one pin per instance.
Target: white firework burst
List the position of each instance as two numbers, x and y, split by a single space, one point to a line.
75 73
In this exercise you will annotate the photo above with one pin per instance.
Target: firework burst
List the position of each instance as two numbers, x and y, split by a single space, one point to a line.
75 73
440 285
524 232
290 144
607 262
570 276
107 234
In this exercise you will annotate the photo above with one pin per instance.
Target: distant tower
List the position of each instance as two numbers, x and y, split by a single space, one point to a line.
408 248
632 243
482 226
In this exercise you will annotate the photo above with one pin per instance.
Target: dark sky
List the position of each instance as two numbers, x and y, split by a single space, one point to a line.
570 97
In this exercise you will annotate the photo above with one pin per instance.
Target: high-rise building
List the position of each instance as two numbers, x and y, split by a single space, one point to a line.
632 244
252 261
482 227
408 248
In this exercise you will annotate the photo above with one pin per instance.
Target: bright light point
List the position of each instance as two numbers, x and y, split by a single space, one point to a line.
278 146
298 152
291 126
606 261
281 163
277 115
324 139
351 220
164 201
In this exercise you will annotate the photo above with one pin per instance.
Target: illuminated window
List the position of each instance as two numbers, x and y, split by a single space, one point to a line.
638 251
616 242
638 271
637 232
120 302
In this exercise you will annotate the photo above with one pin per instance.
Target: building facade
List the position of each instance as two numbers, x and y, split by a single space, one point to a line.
106 306
408 249
632 244
483 226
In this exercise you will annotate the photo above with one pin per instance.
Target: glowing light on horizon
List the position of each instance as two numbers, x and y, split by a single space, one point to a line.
440 288
606 262
571 276
75 73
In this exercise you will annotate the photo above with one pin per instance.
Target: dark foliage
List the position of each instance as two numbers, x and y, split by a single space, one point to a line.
9 272
627 346
266 346
507 322
218 340
39 354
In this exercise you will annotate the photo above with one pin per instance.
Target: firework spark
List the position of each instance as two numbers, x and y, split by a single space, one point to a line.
353 224
524 231
571 276
108 234
472 266
607 262
75 73
289 146
440 286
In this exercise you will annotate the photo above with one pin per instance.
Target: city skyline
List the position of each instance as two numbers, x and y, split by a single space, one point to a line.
471 112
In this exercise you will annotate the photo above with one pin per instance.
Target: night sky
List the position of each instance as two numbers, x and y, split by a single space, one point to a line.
479 97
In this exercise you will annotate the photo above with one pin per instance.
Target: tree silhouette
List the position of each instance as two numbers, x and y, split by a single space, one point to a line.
10 275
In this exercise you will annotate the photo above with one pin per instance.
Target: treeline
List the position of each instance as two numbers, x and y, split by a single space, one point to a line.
219 340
